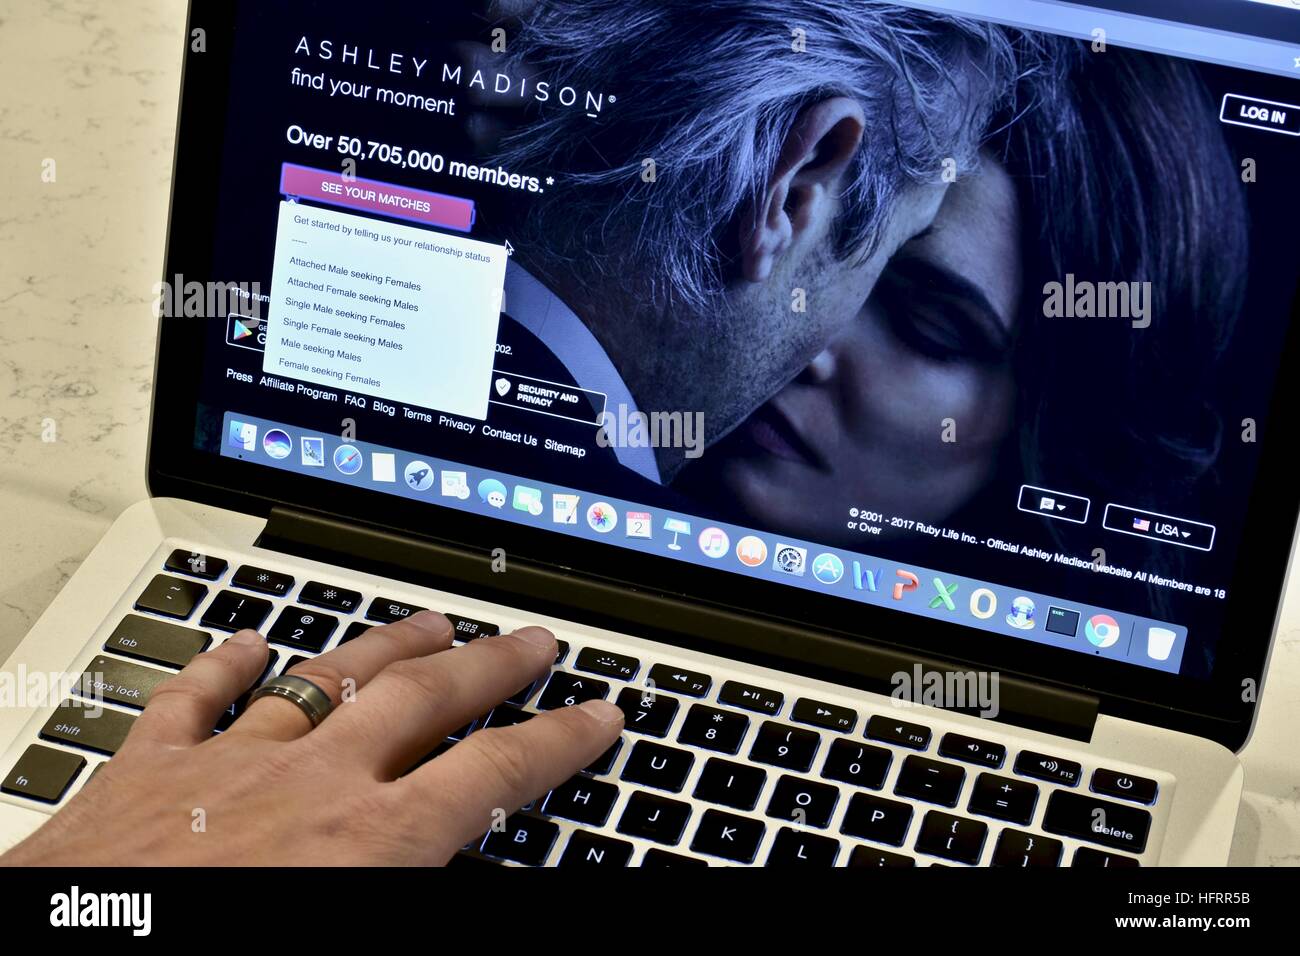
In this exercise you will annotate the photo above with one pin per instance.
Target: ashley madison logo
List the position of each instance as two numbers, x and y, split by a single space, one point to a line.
393 63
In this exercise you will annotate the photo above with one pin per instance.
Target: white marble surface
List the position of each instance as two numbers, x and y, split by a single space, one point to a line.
92 85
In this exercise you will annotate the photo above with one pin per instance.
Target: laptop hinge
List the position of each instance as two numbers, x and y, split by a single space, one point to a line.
710 628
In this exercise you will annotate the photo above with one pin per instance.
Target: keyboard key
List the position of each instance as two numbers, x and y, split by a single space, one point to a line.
1017 848
355 630
646 711
562 651
387 611
827 716
591 849
952 838
899 732
171 597
330 597
731 784
728 836
877 819
607 663
870 856
196 565
930 780
803 801
972 750
679 680
525 840
605 762
460 733
520 697
582 800
750 697
662 858
565 690
652 817
1003 798
71 724
468 629
713 729
263 581
505 715
1113 825
664 768
1087 856
796 848
304 629
863 765
1051 769
120 682
234 612
791 748
157 642
236 709
43 773
294 661
1125 786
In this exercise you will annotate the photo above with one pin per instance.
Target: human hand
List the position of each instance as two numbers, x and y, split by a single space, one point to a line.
271 790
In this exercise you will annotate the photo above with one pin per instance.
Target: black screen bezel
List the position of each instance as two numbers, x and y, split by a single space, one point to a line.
1217 708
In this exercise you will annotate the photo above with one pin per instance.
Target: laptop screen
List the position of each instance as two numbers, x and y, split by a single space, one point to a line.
976 320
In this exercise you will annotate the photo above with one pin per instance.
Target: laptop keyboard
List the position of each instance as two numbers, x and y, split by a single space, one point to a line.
709 769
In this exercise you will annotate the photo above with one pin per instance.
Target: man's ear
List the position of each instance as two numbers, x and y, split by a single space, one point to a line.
801 192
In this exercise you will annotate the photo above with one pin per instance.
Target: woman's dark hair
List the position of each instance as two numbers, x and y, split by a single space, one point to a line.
1125 176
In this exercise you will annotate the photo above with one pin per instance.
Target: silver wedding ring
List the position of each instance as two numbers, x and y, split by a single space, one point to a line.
309 698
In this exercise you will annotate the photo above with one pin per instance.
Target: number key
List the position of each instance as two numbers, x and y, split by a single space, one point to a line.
646 712
565 690
713 729
783 746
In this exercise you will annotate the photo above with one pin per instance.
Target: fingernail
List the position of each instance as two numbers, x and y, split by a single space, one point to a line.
537 636
249 638
430 621
601 710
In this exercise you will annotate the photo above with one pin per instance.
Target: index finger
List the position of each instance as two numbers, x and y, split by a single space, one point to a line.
501 769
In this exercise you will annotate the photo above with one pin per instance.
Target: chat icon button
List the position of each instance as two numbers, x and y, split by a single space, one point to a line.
492 492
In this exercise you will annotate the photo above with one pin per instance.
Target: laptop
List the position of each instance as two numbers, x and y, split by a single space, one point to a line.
878 401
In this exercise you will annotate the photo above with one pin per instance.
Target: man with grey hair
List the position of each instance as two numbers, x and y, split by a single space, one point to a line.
735 203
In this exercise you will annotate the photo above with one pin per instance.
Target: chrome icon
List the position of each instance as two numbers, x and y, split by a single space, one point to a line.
1102 630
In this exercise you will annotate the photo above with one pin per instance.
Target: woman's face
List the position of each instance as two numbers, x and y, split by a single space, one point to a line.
906 412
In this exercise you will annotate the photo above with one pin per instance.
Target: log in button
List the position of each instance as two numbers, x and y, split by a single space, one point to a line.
1148 524
1261 114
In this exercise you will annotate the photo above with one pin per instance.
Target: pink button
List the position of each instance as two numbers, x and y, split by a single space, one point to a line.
385 199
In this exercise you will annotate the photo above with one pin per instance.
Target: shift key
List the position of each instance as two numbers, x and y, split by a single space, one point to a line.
120 682
93 727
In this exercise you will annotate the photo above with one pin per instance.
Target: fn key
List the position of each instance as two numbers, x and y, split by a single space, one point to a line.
43 773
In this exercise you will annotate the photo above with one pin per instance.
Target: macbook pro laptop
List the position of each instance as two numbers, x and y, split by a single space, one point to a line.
884 404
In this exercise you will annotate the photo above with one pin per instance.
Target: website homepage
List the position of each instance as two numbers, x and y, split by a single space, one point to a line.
960 318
